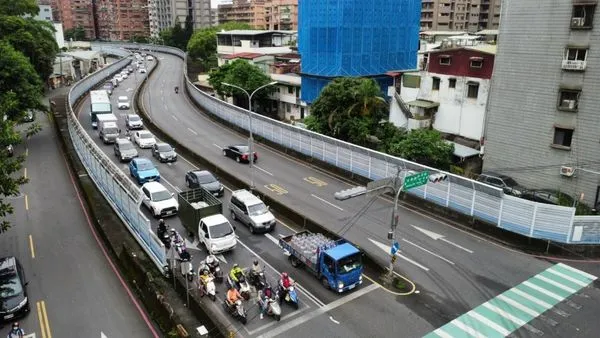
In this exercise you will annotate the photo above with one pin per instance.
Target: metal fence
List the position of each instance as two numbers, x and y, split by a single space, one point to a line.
471 198
122 194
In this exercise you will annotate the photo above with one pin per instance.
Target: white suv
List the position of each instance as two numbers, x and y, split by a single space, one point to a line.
144 139
160 201
251 211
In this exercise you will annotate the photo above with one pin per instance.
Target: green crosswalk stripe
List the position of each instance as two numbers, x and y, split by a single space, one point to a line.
514 308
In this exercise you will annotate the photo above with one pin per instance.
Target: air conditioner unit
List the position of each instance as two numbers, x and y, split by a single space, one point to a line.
577 22
568 104
567 171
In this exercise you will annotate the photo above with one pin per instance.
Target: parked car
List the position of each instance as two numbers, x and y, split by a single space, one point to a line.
164 152
124 149
240 153
549 196
123 102
205 179
133 121
144 139
250 210
124 74
159 200
14 302
143 170
506 183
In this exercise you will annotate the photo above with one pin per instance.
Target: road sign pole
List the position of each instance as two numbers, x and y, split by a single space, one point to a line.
393 224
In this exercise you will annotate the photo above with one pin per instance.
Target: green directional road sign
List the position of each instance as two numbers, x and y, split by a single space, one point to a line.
416 180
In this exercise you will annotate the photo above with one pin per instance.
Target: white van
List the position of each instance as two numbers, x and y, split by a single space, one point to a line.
217 234
123 102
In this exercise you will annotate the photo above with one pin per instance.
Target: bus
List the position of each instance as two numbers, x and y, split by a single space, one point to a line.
99 104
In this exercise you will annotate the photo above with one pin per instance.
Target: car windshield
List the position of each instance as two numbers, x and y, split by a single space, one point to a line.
162 195
123 98
163 148
10 286
111 130
126 146
257 209
206 178
146 135
134 118
510 182
349 264
145 165
220 230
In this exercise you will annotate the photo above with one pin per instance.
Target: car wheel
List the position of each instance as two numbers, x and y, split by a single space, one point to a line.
237 159
252 229
233 215
224 153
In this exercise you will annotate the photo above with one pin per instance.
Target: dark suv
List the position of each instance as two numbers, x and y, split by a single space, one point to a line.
506 183
13 290
549 196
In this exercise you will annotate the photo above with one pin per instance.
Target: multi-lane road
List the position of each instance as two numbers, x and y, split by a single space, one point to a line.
74 288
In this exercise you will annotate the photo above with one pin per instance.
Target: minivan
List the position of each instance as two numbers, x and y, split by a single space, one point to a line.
217 234
250 210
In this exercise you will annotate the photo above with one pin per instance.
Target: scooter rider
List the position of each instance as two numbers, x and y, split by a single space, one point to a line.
16 331
176 89
235 273
203 281
264 296
256 269
233 296
161 232
284 284
211 261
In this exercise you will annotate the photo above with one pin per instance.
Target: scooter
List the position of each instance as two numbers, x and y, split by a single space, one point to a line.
291 296
164 238
236 310
209 288
257 279
215 270
242 285
273 309
176 90
187 269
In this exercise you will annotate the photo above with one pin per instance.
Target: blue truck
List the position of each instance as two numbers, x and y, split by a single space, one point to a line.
336 263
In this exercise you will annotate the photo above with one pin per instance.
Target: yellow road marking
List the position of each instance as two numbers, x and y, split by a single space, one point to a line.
315 181
25 172
26 202
31 246
276 189
46 322
41 319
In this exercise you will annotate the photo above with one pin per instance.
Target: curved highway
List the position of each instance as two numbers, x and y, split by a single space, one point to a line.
455 271
74 288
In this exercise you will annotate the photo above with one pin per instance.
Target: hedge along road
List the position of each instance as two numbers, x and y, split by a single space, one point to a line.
455 271
312 294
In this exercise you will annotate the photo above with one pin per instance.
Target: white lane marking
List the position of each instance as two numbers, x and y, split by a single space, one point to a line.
169 183
505 314
272 239
519 306
442 333
283 319
387 250
429 252
557 284
467 329
544 291
188 162
312 297
218 146
572 269
192 131
221 258
333 320
263 170
531 298
309 316
281 235
174 118
102 335
456 245
569 278
435 236
324 201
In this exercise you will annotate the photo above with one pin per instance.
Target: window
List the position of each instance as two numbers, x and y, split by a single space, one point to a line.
451 83
290 89
576 54
476 63
445 60
583 16
288 107
436 83
411 81
568 99
472 90
562 137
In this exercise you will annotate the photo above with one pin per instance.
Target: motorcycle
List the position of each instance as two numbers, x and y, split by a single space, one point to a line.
257 279
209 288
273 309
176 90
215 270
164 237
291 296
242 286
236 310
187 269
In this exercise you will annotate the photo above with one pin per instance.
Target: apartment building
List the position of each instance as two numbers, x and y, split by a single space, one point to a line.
468 15
251 12
45 13
164 13
542 118
75 13
281 14
122 19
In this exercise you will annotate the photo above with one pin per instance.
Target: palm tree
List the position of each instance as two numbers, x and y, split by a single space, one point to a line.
368 100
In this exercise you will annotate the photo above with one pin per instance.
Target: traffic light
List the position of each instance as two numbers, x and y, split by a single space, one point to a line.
436 178
349 193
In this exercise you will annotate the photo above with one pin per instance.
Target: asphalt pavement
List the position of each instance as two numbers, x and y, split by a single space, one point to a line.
73 289
455 271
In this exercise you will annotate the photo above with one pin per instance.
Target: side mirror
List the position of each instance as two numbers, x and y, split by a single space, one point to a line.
234 227
172 194
26 283
146 198
206 235
268 207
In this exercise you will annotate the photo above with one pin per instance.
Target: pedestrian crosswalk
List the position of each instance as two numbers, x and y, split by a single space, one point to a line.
509 311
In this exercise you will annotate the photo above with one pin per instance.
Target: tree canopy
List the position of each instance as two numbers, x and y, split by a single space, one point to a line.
77 34
178 36
243 74
202 45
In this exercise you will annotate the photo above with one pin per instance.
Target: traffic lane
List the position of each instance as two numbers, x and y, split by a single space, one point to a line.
79 289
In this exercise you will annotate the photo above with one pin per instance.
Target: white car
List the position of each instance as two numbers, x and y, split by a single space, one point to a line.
160 201
144 139
217 234
118 77
142 70
150 58
124 75
133 121
123 102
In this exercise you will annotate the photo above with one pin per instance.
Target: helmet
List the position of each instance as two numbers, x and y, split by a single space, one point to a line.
235 265
255 262
161 222
284 275
205 272
173 231
15 325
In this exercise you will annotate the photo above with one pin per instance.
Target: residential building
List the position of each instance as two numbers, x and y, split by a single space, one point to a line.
122 19
542 116
469 15
251 12
45 13
253 41
449 93
164 14
281 14
75 13
371 41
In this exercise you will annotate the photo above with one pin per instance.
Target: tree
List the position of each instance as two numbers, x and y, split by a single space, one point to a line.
202 45
178 36
77 34
424 146
240 73
19 7
20 89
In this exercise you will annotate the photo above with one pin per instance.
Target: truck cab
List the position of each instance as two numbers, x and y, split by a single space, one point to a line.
217 234
341 267
108 132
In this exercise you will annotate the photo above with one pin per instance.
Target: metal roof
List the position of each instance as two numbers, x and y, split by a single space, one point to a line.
423 104
250 32
463 151
488 32
341 251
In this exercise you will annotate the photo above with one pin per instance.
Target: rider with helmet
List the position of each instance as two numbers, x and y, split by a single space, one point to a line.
16 331
176 89
284 284
256 269
235 274
264 296
233 296
203 281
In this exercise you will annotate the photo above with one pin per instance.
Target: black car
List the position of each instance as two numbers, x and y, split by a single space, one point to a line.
164 152
506 183
13 290
204 179
240 153
549 196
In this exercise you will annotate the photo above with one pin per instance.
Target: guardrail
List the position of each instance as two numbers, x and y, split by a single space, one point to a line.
122 194
465 196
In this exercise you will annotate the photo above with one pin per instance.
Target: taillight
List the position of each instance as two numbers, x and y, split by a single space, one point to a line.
245 157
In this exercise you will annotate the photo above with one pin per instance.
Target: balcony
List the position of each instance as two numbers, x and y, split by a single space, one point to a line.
574 65
419 122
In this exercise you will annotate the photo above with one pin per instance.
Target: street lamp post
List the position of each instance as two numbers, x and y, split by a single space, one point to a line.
251 138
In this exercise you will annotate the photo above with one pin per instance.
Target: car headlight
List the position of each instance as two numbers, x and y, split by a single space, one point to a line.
221 188
162 155
21 304
360 278
213 246
340 285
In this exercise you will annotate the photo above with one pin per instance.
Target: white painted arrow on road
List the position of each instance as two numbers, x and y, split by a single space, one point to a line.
102 335
435 236
387 249
193 246
221 258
